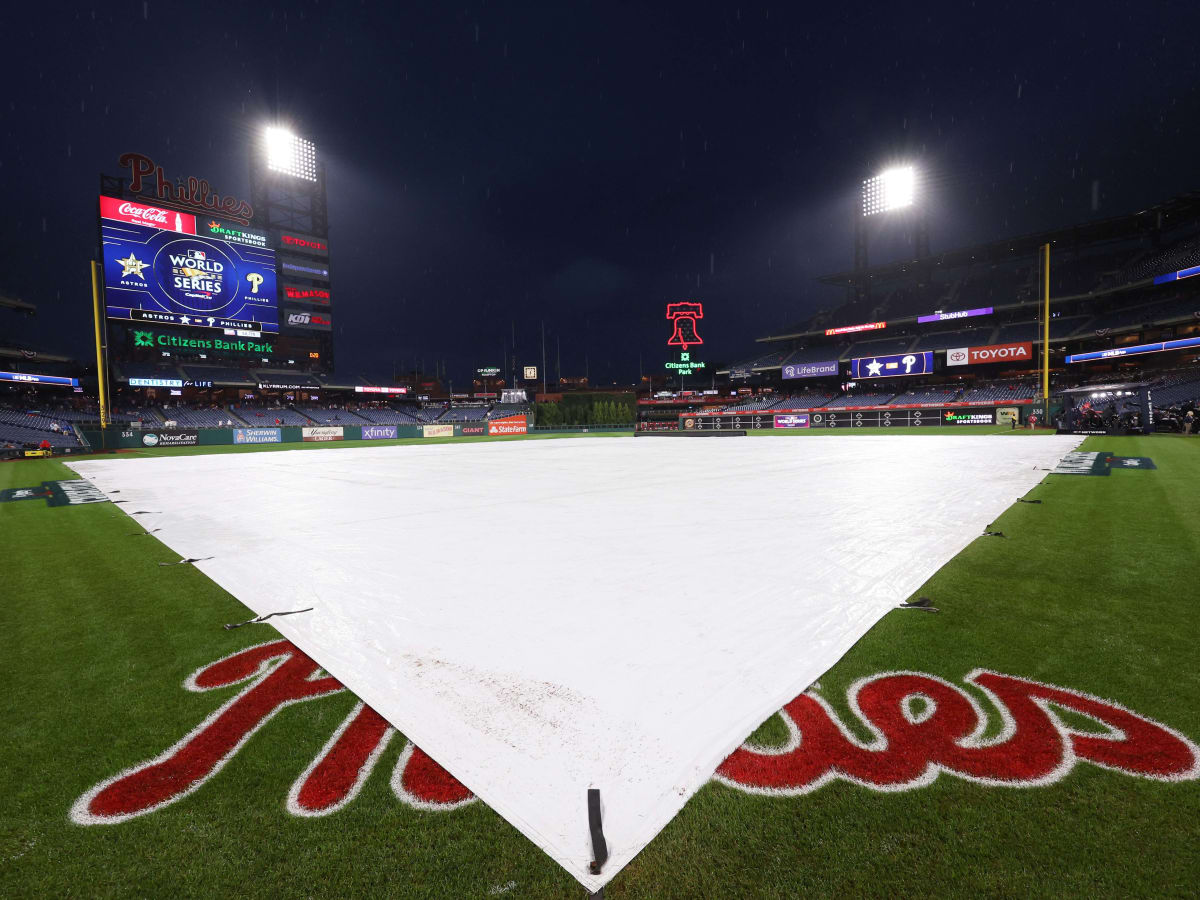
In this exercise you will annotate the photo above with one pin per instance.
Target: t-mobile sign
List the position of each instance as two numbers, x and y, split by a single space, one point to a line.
810 370
959 314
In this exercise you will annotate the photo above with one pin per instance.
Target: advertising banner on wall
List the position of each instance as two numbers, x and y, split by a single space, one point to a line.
966 417
322 433
437 431
307 244
177 341
257 435
507 425
303 293
970 356
137 213
232 232
171 437
299 268
958 314
792 421
810 370
306 319
474 429
852 329
379 432
918 363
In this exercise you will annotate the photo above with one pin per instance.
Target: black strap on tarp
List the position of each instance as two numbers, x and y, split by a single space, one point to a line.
258 620
599 846
189 560
922 603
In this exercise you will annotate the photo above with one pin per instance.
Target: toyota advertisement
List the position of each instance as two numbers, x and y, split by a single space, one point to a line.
971 356
159 267
918 363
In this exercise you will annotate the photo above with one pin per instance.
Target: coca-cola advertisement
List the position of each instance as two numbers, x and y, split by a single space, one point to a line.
136 213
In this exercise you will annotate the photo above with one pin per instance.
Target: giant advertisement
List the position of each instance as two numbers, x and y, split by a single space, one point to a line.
158 268
918 363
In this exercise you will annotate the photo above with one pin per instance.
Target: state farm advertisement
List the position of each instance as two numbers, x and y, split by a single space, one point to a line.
507 425
148 216
322 433
972 356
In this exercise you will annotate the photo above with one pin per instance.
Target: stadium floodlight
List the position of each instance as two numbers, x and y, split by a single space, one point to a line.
891 189
289 154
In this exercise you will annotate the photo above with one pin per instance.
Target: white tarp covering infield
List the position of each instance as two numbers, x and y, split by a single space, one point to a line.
543 617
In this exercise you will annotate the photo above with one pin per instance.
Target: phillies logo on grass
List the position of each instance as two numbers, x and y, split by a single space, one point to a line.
921 726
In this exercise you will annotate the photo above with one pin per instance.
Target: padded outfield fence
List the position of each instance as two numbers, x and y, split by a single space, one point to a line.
935 417
133 438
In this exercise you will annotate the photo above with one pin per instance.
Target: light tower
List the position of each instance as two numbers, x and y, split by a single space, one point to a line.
889 196
287 183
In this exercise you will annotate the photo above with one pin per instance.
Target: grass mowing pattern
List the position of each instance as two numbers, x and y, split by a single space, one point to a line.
1093 590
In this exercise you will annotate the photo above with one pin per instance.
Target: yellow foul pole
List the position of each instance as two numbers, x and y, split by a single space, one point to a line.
1046 325
100 370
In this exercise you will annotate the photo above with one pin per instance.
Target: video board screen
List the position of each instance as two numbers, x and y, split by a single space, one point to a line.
160 267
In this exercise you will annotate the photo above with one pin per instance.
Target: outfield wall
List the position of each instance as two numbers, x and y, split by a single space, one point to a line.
116 438
867 417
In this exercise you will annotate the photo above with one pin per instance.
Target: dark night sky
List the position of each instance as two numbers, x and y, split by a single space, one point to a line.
586 163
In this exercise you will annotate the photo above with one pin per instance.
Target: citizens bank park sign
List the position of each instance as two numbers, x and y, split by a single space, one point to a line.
919 727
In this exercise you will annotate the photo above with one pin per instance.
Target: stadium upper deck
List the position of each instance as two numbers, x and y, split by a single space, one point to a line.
1106 281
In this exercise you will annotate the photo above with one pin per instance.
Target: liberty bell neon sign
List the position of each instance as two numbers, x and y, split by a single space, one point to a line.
684 315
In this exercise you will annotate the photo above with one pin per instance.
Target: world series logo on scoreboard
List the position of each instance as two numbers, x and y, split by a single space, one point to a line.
155 263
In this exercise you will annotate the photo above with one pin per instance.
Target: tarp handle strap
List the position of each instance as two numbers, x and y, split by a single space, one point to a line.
599 846
260 619
140 533
924 604
993 534
1023 500
183 562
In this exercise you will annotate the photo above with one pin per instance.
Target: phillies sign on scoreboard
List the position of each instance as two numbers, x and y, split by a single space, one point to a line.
919 363
971 356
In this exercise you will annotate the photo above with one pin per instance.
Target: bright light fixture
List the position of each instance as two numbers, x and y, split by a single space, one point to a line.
891 189
289 154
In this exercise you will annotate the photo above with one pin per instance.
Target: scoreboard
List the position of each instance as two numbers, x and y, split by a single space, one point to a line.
171 268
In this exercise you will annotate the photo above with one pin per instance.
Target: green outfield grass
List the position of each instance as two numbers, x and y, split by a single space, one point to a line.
1094 589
